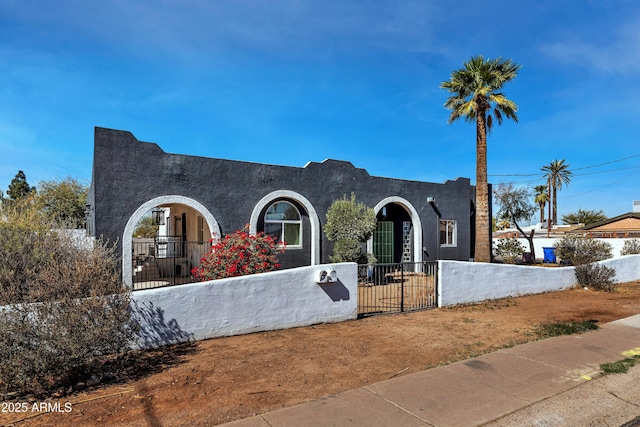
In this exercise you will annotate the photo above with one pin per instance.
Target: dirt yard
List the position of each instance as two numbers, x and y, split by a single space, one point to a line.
226 379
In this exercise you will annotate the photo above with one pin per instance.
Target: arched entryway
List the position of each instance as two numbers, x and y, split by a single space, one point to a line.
184 228
398 236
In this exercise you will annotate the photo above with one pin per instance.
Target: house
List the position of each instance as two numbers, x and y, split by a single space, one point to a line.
622 226
197 198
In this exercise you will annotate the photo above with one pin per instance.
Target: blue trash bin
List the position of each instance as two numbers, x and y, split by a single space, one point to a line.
549 255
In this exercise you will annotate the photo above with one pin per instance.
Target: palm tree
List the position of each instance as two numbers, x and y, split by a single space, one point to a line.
557 175
503 222
474 95
541 199
584 216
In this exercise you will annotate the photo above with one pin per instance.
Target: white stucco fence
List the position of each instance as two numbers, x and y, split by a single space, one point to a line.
240 305
292 298
467 282
627 267
543 242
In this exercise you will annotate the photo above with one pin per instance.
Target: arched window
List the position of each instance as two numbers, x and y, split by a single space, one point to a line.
283 222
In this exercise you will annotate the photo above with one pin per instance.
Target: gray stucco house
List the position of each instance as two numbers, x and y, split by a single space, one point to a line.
197 198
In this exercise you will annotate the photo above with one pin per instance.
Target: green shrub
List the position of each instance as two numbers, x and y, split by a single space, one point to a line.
349 224
346 250
509 250
630 247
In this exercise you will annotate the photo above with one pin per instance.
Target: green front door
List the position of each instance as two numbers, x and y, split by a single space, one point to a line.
383 242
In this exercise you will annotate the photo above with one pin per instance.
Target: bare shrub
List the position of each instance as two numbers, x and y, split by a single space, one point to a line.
584 252
64 310
577 250
596 276
630 247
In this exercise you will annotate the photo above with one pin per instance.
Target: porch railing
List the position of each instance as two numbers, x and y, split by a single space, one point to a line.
165 261
398 287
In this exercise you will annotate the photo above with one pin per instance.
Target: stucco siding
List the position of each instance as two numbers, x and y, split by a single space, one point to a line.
241 305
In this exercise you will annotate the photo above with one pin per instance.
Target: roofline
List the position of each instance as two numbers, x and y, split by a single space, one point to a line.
635 215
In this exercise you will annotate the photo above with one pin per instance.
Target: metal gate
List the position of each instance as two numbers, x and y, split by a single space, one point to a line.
165 261
396 288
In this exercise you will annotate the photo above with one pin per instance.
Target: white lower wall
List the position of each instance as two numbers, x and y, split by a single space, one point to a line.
291 298
240 305
627 267
468 282
542 242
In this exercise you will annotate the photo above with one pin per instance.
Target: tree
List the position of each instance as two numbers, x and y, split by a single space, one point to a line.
19 188
503 222
349 223
146 227
475 95
541 198
585 217
64 201
514 204
557 174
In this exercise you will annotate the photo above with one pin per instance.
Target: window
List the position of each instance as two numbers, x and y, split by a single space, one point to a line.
282 221
448 232
200 229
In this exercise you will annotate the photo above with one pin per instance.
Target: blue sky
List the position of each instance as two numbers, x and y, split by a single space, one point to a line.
290 81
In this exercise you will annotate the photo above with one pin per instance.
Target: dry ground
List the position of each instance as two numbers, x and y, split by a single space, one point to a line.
225 379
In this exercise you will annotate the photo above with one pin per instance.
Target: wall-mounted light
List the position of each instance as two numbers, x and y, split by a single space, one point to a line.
158 216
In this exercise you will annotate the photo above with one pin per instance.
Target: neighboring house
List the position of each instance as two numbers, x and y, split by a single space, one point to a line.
197 198
621 226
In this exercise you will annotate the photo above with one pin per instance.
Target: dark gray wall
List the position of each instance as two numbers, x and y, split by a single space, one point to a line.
128 173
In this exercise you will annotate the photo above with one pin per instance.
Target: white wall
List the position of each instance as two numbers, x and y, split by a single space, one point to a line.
468 282
627 267
541 242
240 305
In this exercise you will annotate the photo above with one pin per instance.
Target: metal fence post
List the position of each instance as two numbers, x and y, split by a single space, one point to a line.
402 288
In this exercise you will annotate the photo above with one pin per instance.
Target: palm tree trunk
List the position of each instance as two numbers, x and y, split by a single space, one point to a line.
483 223
555 204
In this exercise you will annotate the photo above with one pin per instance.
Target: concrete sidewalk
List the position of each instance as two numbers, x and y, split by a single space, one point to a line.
553 382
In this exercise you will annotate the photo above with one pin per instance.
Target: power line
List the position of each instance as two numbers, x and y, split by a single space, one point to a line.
541 177
600 188
577 169
607 163
607 171
515 174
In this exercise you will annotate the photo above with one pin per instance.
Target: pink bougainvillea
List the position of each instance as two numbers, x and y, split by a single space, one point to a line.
239 254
